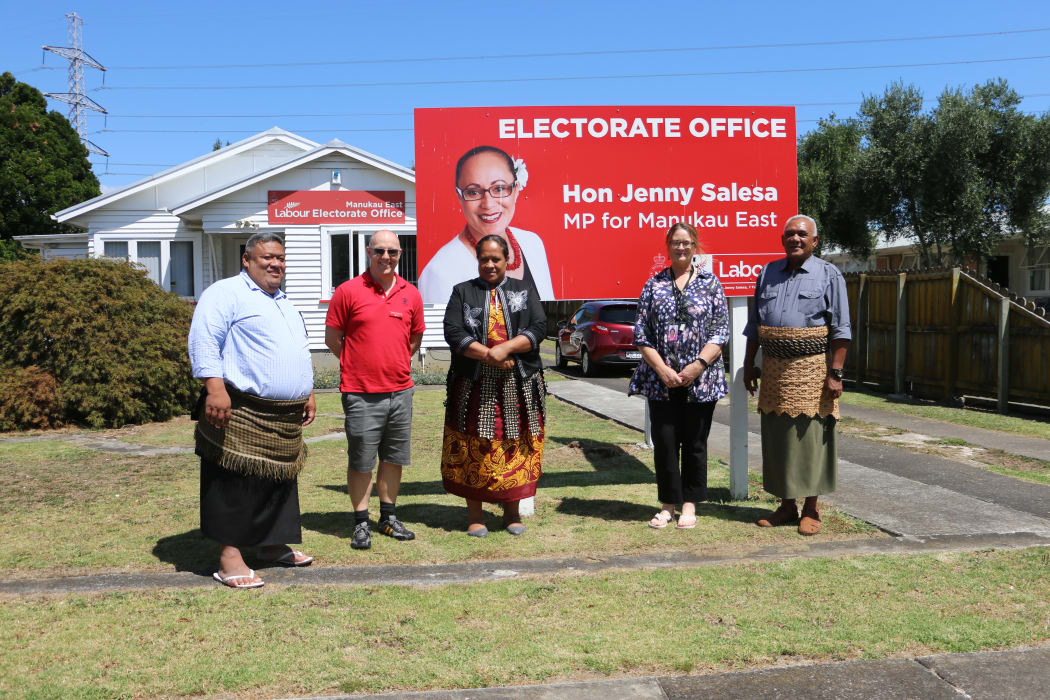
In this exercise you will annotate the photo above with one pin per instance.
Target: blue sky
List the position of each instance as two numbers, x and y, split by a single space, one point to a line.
351 46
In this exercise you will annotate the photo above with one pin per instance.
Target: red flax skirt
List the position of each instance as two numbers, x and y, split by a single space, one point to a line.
493 441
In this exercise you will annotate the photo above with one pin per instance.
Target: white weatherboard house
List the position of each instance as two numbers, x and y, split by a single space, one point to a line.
187 225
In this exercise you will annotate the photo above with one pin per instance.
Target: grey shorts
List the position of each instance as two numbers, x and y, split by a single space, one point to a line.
378 424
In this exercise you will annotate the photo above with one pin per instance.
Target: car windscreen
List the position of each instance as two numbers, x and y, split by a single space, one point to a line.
619 314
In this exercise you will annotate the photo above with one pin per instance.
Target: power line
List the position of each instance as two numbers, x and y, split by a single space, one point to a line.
840 103
623 76
254 116
608 52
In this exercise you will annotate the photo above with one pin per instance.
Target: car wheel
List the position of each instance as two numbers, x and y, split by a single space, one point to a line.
589 370
559 359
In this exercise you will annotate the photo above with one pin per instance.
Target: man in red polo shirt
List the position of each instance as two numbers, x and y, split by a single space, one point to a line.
374 326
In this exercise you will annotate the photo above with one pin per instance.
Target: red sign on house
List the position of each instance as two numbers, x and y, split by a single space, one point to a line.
336 207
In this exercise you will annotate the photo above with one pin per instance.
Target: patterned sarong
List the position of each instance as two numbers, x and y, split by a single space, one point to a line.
494 427
263 438
794 386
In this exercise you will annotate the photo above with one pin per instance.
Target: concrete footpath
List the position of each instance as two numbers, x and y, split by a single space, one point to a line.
1013 675
902 492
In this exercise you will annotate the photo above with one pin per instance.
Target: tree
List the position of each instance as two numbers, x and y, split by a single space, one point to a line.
43 165
975 190
957 178
827 185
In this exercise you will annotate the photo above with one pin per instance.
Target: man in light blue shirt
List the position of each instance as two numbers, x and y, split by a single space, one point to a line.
248 343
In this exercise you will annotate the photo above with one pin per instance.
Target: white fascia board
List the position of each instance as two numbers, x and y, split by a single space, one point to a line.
274 134
320 152
53 238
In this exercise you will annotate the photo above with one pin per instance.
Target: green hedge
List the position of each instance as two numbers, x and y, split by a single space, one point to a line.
90 342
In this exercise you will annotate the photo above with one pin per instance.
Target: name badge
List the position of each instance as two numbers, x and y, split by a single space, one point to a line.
395 314
672 334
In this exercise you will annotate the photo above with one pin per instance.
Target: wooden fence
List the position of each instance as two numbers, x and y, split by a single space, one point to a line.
945 333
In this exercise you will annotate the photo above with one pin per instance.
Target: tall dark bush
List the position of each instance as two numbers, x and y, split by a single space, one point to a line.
113 340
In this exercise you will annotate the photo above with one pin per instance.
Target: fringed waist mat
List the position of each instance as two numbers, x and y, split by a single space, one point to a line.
497 405
794 367
264 437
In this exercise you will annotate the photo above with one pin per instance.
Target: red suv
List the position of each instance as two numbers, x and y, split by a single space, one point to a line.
599 333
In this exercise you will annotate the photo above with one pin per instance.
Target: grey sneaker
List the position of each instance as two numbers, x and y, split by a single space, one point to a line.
392 527
362 537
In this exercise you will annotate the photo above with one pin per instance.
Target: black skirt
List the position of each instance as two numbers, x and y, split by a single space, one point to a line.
248 511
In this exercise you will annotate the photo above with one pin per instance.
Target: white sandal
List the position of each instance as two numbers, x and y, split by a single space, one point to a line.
225 580
660 520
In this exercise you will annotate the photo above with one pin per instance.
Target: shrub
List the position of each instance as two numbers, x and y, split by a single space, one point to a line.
326 378
29 398
112 340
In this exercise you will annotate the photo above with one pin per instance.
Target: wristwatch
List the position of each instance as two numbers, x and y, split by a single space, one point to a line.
835 372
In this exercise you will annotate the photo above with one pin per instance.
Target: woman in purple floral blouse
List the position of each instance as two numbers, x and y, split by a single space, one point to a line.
681 327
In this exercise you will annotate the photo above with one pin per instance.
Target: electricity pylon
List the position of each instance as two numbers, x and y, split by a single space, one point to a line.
77 100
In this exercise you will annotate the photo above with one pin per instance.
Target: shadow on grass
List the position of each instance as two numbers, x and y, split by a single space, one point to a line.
603 456
606 509
549 480
433 515
188 551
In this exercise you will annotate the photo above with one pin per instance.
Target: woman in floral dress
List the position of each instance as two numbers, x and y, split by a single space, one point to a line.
682 325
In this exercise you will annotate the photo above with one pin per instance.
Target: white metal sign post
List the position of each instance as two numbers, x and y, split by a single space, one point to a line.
737 400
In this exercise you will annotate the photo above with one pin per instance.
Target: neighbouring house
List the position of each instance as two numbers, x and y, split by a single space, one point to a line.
1023 271
187 225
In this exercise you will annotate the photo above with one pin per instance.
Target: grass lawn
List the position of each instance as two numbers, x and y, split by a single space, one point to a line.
305 640
66 509
1027 426
133 513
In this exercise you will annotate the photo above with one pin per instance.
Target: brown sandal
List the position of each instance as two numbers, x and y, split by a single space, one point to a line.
781 516
810 523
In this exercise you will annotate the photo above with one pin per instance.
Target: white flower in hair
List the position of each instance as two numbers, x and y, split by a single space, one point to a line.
521 174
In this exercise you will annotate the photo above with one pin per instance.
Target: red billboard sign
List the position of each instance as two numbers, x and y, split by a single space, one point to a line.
335 207
598 188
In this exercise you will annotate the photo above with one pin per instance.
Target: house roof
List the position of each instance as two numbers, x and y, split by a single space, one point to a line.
333 146
274 134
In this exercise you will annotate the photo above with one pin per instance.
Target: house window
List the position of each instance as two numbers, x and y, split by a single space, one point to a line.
1039 280
149 258
115 249
170 264
348 258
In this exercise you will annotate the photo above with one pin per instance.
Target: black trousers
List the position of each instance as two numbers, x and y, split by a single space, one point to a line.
246 511
680 429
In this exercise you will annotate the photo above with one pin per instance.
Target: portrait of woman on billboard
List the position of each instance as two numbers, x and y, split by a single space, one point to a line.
488 183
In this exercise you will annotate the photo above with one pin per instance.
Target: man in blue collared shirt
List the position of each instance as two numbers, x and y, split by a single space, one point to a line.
248 340
800 318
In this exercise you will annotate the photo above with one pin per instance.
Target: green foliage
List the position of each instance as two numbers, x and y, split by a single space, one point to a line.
326 378
112 340
957 178
43 165
827 183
